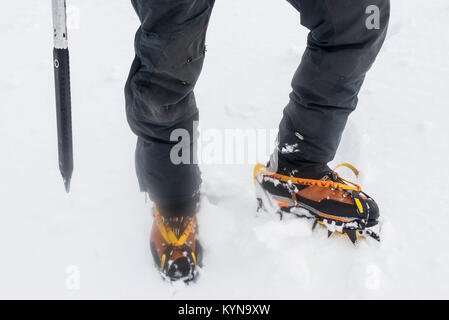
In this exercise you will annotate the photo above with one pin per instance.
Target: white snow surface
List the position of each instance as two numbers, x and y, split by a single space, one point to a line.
398 138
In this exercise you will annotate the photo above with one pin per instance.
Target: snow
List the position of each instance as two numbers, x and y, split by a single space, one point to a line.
289 148
99 233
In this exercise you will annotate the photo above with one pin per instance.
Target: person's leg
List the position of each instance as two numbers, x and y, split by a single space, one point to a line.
170 48
340 51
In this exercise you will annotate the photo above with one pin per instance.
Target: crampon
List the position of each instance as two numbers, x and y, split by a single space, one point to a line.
176 251
333 202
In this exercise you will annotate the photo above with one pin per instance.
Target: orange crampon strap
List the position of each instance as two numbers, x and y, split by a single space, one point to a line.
311 182
168 234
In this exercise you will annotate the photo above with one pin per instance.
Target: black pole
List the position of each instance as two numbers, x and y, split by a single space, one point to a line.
62 89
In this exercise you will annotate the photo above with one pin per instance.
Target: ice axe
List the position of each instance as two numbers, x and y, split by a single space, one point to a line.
62 89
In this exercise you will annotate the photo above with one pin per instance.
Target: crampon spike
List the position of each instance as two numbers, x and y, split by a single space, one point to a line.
281 215
329 233
259 205
352 234
315 223
373 235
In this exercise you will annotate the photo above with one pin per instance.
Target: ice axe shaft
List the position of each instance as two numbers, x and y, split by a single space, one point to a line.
62 91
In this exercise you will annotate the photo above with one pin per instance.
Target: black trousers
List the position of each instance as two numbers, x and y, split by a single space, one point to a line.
344 40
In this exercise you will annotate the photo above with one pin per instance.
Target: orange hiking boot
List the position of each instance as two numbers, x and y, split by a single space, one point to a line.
176 251
331 201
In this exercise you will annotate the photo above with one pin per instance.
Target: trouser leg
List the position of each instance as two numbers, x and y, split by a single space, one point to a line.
341 48
170 48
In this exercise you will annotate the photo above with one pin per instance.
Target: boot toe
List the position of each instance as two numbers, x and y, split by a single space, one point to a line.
373 210
179 269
